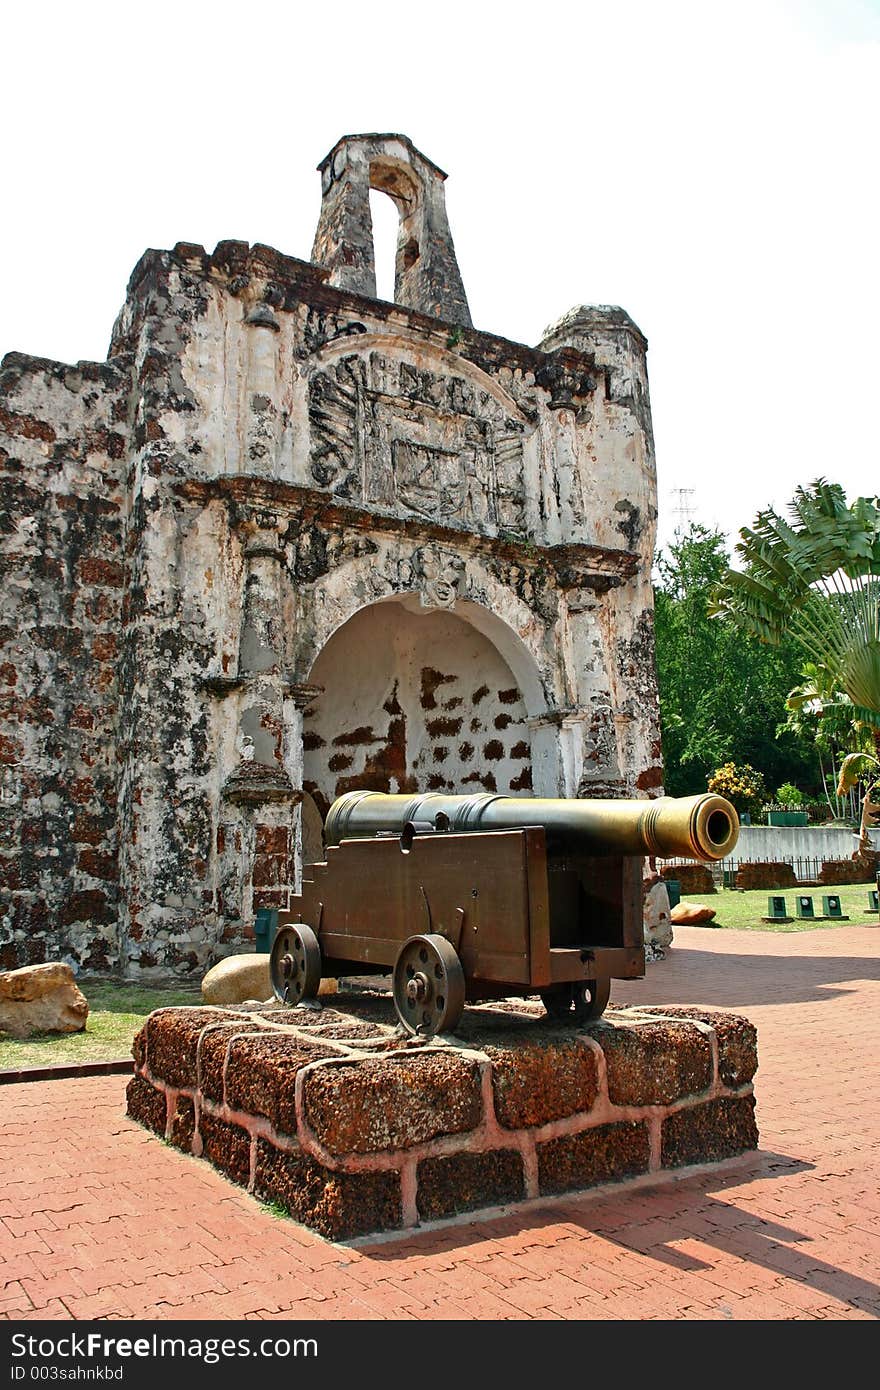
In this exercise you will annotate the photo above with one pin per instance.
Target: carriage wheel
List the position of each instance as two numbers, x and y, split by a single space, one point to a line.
295 964
429 985
578 1002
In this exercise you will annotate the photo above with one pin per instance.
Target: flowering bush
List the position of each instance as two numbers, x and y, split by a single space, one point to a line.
742 785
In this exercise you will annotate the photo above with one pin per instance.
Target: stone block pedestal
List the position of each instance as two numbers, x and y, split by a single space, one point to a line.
355 1129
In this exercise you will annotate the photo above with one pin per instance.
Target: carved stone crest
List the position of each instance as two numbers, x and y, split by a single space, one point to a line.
419 442
439 575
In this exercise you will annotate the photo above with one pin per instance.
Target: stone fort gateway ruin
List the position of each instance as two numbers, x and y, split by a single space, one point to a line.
290 540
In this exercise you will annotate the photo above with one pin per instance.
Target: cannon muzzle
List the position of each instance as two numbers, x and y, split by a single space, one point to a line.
687 827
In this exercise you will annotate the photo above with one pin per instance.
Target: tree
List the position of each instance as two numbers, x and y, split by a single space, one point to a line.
864 768
722 692
817 580
820 715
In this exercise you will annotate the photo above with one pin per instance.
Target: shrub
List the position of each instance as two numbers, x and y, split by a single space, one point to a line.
788 795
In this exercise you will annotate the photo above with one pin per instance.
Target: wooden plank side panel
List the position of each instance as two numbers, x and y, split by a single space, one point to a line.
472 889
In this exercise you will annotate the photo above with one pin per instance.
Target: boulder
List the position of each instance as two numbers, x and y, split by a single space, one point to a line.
41 999
692 914
245 978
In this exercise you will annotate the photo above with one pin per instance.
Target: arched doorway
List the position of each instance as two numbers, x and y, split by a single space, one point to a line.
417 699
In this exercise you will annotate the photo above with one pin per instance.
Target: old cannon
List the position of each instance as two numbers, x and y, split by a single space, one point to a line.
481 897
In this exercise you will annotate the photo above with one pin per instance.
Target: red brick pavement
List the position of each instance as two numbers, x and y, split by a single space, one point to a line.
98 1219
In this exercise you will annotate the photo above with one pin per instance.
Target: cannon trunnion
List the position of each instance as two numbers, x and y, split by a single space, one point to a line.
481 897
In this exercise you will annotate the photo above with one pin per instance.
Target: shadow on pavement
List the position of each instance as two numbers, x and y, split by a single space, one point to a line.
689 976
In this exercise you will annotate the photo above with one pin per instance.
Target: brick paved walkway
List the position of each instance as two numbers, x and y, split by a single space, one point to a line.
100 1220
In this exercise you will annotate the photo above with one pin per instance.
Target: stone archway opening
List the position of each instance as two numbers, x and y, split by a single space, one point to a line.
415 699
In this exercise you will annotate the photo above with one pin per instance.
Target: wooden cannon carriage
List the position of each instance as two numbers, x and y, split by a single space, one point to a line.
482 897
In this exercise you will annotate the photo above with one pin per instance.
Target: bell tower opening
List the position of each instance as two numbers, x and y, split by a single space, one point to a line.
386 228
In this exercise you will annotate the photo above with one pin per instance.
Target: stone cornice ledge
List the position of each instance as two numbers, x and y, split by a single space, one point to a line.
576 564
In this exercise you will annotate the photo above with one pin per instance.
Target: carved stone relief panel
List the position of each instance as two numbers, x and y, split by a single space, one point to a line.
422 443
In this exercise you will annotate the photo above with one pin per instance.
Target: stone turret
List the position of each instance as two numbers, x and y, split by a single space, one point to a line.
426 274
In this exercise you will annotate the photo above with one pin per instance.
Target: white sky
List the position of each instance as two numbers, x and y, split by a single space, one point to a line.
712 168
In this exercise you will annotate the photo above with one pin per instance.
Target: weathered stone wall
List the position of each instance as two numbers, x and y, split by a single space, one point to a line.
270 464
62 470
354 1129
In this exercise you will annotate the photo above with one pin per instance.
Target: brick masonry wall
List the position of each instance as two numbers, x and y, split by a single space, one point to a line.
694 878
354 1129
765 876
861 870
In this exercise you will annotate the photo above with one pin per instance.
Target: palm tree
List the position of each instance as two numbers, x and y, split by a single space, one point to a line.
820 714
817 578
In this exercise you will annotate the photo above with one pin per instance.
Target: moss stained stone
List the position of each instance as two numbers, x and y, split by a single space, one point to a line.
146 1105
710 1132
227 1146
380 1105
261 1075
462 1182
604 1154
655 1063
540 1082
337 1205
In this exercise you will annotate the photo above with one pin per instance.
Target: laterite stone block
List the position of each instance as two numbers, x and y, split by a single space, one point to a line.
536 1084
146 1105
261 1076
212 1055
737 1040
607 1153
227 1146
336 1205
183 1123
172 1042
374 1106
655 1063
463 1182
344 1165
710 1132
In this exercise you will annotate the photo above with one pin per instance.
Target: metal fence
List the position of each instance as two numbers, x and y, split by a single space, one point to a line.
807 868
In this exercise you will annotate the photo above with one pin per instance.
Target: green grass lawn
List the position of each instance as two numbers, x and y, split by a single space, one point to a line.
743 911
116 1012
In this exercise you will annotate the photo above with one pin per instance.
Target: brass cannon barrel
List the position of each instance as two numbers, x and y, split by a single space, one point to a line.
689 827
